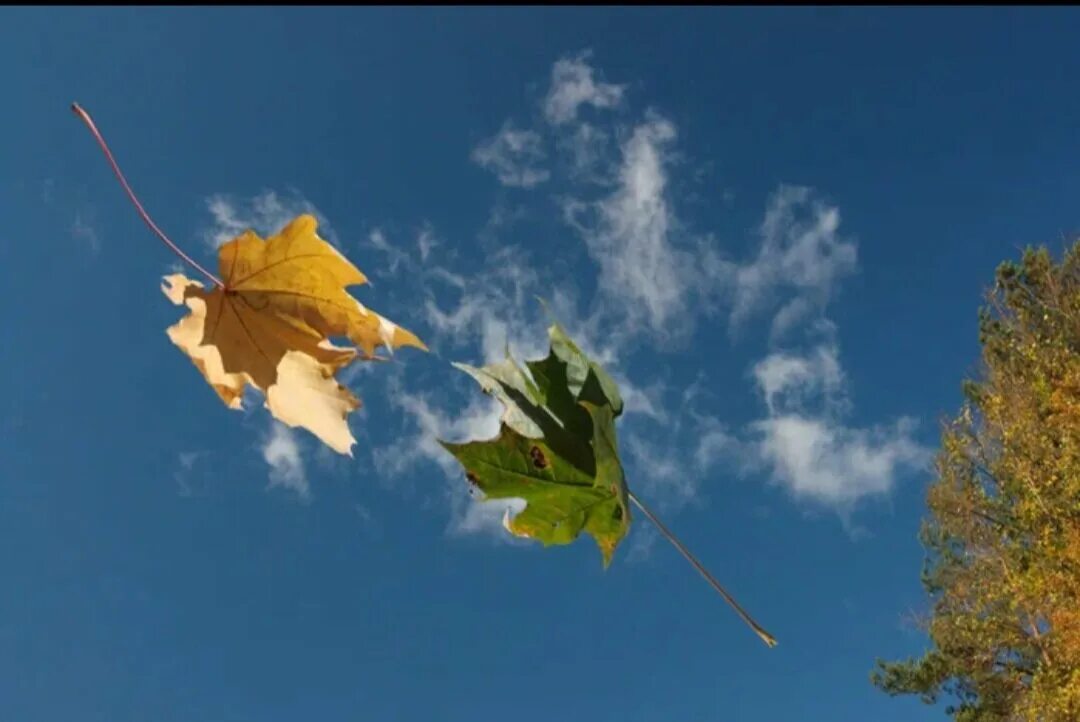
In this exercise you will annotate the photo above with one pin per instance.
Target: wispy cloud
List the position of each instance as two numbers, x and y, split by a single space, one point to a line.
478 420
426 241
369 522
644 401
575 83
266 213
645 274
801 253
493 305
185 462
494 309
803 443
281 452
656 278
587 150
395 257
82 229
821 460
470 513
669 454
786 380
716 442
405 255
514 156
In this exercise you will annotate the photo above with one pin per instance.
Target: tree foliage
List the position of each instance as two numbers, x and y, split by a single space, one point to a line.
1003 528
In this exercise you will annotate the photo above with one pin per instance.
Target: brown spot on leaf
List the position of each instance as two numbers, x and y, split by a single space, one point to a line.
538 458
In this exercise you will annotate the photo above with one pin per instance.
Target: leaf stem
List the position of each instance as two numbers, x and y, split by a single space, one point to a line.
765 636
85 118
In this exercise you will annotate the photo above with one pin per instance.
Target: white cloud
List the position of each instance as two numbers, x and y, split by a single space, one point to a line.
668 448
657 466
493 306
716 444
587 151
647 401
281 452
502 216
186 461
469 512
426 241
514 156
395 256
438 273
265 213
787 379
369 522
643 274
479 420
789 316
573 84
800 252
820 460
802 442
806 447
398 258
83 230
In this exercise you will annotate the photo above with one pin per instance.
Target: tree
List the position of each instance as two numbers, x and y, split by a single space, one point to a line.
1003 528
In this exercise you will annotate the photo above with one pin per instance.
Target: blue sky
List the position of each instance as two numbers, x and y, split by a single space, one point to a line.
774 226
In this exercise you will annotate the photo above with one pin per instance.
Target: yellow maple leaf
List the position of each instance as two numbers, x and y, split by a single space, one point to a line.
270 325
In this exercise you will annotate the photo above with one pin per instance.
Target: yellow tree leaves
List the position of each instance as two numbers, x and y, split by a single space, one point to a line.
1003 530
270 325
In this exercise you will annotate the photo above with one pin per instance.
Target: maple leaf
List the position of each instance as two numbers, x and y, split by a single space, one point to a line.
556 447
270 324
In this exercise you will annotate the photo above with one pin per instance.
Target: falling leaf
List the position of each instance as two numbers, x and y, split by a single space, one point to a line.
557 451
556 447
270 325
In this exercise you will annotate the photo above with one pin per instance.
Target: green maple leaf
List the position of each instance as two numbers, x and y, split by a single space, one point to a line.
556 447
557 450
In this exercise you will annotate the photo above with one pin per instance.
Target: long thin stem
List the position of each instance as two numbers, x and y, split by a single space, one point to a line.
765 636
85 118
